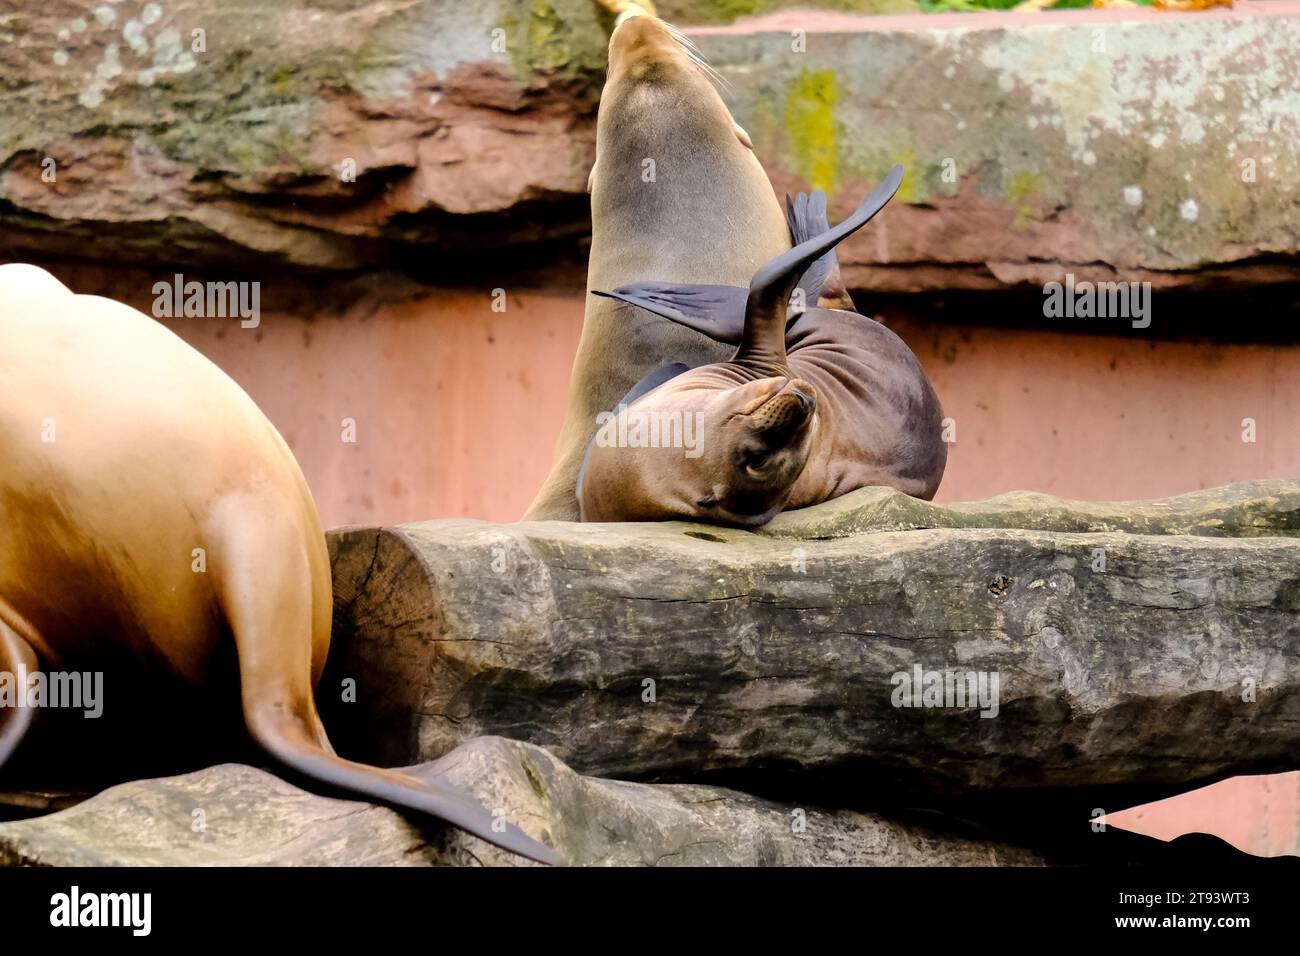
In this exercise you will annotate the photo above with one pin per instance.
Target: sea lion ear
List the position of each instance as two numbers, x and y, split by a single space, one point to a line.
716 310
591 177
743 137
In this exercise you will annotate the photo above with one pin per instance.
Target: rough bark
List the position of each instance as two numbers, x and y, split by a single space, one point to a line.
1172 662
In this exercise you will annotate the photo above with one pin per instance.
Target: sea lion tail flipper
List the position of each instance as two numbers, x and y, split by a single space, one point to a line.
718 311
763 339
268 606
16 657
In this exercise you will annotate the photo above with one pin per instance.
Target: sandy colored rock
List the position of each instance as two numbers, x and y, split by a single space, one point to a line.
1114 144
322 137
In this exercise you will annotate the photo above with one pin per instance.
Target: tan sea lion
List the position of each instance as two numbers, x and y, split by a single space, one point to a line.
846 406
677 193
151 517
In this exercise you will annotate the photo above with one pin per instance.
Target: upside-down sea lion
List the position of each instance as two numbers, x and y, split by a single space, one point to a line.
676 193
847 406
126 456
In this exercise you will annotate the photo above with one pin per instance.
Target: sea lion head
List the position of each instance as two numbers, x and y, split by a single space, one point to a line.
712 444
660 102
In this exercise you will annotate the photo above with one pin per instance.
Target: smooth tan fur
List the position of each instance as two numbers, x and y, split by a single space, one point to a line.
710 216
157 452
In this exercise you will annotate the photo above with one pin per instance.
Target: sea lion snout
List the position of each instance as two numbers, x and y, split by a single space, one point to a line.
644 50
626 9
789 407
639 36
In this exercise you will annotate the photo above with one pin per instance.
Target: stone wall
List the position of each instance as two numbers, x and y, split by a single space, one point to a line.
1118 143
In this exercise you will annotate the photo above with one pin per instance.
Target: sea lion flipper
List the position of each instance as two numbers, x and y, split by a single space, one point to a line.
653 380
718 311
269 612
430 797
16 657
807 218
822 284
766 306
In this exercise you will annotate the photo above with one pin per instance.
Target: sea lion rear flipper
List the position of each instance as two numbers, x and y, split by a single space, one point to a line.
767 302
716 310
822 284
268 606
16 658
807 218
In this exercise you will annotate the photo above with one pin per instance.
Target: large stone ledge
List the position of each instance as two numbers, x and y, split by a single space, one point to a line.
234 815
1107 143
321 136
1247 509
668 651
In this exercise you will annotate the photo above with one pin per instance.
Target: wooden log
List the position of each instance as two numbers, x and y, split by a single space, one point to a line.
670 651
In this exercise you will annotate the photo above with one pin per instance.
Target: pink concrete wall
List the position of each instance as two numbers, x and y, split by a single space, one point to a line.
1259 815
457 406
1108 417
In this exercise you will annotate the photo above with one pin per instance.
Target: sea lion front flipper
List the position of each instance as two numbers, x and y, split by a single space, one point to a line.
718 311
653 380
16 658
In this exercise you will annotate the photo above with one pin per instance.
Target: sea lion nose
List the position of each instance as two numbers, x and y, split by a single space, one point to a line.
627 9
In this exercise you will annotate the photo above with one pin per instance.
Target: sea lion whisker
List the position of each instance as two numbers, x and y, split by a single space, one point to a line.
697 57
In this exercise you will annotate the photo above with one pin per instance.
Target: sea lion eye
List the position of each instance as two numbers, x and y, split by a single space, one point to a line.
754 457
